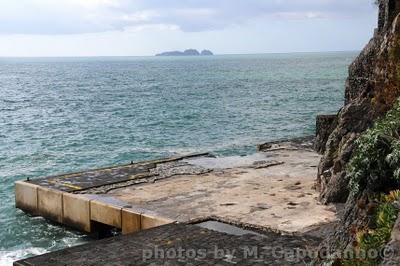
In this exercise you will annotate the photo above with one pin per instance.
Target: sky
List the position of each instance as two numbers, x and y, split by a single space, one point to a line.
147 27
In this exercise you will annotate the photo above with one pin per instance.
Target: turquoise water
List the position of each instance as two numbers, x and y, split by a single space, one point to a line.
65 114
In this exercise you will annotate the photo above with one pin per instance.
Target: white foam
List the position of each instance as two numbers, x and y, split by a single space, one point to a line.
7 257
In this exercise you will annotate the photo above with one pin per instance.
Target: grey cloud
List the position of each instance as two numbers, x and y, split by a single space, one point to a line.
38 17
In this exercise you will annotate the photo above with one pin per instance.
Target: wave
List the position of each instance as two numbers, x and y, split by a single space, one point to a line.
8 257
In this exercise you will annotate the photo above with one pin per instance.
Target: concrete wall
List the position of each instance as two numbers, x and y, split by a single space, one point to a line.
78 211
26 197
50 204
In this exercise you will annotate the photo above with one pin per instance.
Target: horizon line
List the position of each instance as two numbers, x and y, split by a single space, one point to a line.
223 54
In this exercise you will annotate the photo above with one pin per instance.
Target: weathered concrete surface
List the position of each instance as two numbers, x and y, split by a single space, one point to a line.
150 219
52 197
80 210
76 212
179 244
131 221
79 181
270 189
278 196
50 204
105 213
26 197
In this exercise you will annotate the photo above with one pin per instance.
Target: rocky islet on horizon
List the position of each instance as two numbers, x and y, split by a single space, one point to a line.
188 52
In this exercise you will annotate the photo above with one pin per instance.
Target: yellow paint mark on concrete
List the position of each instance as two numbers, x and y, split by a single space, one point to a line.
57 182
70 185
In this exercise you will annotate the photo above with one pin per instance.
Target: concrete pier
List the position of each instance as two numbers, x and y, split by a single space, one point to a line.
269 190
56 198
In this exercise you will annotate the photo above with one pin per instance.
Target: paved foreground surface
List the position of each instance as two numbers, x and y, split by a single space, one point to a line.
178 244
270 189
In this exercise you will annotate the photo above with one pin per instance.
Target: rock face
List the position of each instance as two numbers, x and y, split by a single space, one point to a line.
324 127
371 90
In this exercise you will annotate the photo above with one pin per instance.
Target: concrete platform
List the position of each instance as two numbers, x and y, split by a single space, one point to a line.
269 190
80 181
272 189
66 199
179 244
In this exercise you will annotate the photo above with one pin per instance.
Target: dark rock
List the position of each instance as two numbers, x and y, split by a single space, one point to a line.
344 234
299 143
206 52
325 124
172 53
188 52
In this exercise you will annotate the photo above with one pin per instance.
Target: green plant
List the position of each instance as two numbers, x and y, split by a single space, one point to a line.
378 234
376 159
376 238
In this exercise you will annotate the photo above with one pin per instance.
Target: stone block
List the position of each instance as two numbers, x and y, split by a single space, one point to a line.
105 213
131 221
26 197
76 212
149 220
50 204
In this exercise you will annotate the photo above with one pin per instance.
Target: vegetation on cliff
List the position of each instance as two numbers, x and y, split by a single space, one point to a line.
370 241
361 163
376 161
372 89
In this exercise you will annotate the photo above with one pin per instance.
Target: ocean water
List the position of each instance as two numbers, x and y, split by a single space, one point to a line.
66 114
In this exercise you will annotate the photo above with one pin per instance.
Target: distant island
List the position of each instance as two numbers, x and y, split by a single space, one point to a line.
188 52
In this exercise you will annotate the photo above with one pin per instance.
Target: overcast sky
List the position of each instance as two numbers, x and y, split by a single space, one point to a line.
146 27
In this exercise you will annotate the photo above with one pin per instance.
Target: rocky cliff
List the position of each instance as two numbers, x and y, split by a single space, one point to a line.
371 90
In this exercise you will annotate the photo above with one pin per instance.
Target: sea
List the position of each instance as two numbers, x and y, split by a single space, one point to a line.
61 115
